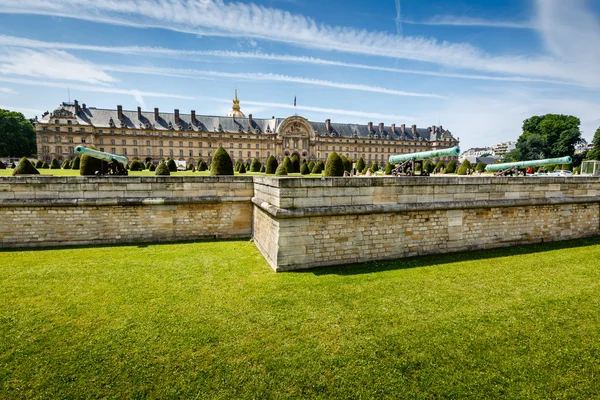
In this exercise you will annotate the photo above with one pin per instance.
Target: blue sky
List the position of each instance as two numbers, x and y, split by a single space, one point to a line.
479 68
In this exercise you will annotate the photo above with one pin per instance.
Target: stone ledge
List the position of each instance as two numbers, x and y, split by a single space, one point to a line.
124 201
278 212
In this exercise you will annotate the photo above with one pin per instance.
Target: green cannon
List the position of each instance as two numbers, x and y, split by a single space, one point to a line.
116 164
510 168
405 163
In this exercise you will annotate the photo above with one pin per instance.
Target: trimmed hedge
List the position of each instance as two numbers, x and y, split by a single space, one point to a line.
45 165
440 166
272 165
66 165
428 166
152 167
318 168
242 169
38 164
89 165
221 163
281 170
374 167
480 166
162 169
311 165
25 167
263 169
171 165
135 166
255 166
76 163
203 166
287 162
54 164
2 165
450 168
360 165
334 166
388 169
304 169
295 163
464 166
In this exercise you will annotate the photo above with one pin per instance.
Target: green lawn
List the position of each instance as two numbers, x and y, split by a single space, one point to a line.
211 320
70 172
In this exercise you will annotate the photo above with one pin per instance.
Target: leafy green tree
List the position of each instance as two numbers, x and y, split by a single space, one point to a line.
594 153
171 165
547 136
513 155
450 168
255 166
272 165
360 165
304 169
25 167
221 163
334 165
17 135
162 169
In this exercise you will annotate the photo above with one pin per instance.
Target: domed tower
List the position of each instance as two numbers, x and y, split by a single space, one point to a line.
235 110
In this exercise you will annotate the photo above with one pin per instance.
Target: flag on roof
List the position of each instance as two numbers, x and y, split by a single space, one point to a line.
294 101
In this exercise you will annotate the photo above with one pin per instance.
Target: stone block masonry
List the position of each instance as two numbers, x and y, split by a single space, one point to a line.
301 222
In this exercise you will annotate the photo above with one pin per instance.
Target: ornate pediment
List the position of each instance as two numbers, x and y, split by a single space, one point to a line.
62 113
295 127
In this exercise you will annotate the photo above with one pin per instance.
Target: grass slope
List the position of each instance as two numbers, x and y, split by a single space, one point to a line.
211 320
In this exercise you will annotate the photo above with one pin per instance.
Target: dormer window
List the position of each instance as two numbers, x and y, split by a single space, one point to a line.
69 122
170 126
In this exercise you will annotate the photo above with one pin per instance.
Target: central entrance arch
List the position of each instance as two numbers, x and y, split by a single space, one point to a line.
295 135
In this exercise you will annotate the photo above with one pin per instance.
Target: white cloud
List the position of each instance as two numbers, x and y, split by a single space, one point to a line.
450 20
28 112
7 90
195 73
52 64
217 18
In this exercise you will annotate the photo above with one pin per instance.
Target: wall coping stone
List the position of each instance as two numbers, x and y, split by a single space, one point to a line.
122 201
41 179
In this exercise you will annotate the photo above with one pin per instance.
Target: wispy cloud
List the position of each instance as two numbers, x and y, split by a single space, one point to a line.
218 18
7 90
450 20
245 76
200 55
29 112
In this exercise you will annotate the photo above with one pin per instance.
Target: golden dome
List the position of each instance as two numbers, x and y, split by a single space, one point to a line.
235 110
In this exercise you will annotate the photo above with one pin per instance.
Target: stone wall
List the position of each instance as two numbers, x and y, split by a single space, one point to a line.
55 211
341 221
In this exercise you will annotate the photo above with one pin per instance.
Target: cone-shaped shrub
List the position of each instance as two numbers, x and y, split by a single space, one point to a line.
428 166
76 163
135 166
311 165
242 169
347 164
334 165
39 163
263 169
203 166
221 163
287 163
576 170
65 165
567 167
255 166
152 167
360 165
295 163
480 166
171 165
89 165
318 168
198 164
189 167
388 169
304 169
25 167
236 167
45 165
2 165
451 167
374 167
281 170
464 166
272 165
557 168
142 165
440 166
162 169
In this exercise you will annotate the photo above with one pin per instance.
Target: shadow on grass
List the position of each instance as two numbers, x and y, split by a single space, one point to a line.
437 259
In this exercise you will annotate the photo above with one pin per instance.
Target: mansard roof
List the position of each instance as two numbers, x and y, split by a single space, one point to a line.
108 118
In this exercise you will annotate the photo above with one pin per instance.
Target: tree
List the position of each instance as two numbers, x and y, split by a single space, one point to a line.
388 169
263 169
594 153
76 163
428 166
311 165
25 167
2 165
360 165
65 164
153 167
45 165
304 169
451 167
440 166
318 168
135 166
162 169
464 167
374 167
480 166
255 166
202 165
272 165
39 164
334 165
550 135
171 165
242 169
295 163
281 170
287 163
17 135
221 163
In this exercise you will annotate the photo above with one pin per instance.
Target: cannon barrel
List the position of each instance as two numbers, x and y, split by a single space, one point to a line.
84 151
526 164
398 158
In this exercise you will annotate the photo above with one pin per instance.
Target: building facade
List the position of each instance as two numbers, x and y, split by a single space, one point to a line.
152 136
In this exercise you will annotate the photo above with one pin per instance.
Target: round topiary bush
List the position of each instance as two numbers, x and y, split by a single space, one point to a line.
334 165
311 165
38 164
148 164
295 163
54 164
171 165
347 164
221 163
304 169
262 169
152 167
162 169
255 166
272 165
76 163
90 165
25 167
45 165
203 166
360 165
135 166
451 167
242 169
65 165
281 170
2 165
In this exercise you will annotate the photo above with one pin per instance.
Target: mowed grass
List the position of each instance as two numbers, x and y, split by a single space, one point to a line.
211 320
70 172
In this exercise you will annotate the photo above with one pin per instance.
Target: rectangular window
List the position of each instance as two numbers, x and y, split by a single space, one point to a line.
180 144
257 154
200 153
57 129
148 152
191 144
70 129
240 153
161 152
124 142
135 153
231 145
82 140
171 152
101 148
101 141
124 151
257 145
249 154
148 143
199 144
113 150
135 142
191 153
180 153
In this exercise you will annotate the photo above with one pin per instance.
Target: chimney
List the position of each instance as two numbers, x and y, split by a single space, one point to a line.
176 116
140 113
441 129
84 107
193 117
403 129
328 125
156 117
370 127
250 121
76 107
381 127
393 128
433 132
120 112
414 130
